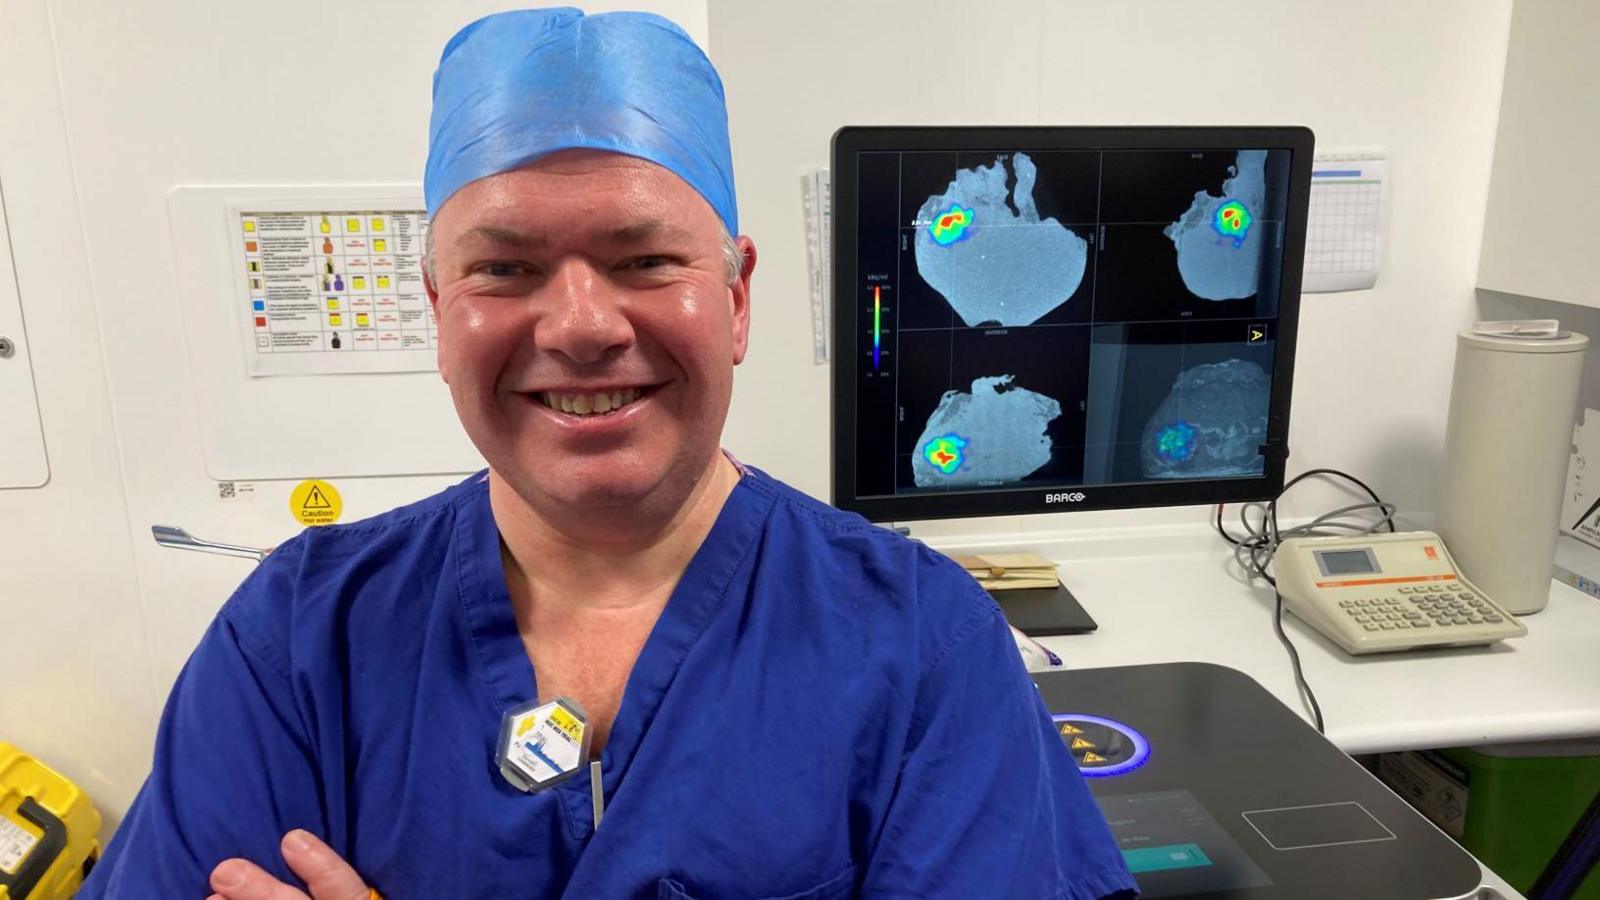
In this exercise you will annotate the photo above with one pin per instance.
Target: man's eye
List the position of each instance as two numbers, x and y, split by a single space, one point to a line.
645 263
503 269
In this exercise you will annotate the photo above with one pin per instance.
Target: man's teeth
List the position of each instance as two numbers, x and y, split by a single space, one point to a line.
589 404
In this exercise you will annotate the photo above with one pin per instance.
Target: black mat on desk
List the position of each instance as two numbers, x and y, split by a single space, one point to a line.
1214 789
1040 612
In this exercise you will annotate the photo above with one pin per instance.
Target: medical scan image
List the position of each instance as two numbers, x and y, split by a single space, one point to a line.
992 434
1218 249
997 264
1212 423
1033 318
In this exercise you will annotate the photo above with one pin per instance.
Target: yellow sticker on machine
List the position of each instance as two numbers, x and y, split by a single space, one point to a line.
15 844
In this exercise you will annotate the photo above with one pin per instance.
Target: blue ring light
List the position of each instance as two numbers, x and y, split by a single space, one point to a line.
1141 746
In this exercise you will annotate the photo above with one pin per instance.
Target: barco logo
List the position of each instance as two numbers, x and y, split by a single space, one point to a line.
1072 497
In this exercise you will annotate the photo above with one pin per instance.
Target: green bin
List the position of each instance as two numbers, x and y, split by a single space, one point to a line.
1509 805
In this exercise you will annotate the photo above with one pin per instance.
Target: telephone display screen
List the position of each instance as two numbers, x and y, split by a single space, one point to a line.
1347 562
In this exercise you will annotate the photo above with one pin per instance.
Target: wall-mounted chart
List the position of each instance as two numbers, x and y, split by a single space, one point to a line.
338 290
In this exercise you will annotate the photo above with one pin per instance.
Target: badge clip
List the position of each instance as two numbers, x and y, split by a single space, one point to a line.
542 745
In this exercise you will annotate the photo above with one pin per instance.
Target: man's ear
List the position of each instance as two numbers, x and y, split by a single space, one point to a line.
739 298
433 302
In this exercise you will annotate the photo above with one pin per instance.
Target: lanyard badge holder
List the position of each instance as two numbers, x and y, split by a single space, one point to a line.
542 745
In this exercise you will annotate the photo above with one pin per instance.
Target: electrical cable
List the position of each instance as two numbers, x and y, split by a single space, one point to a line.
1252 552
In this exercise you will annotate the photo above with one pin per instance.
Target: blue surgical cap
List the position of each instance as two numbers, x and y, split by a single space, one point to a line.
515 86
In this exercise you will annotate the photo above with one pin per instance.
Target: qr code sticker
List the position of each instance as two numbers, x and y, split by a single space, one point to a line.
225 490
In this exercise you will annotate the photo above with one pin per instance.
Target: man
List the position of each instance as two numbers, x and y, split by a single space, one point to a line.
784 700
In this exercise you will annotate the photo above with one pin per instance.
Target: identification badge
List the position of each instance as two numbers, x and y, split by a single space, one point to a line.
543 744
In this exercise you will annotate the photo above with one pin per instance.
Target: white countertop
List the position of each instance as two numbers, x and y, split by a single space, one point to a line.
1174 594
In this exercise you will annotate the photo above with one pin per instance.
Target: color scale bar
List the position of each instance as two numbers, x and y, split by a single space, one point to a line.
877 318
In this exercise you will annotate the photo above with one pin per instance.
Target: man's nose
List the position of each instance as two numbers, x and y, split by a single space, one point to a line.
586 321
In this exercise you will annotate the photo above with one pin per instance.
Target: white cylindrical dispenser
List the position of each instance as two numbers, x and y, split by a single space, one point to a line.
1506 448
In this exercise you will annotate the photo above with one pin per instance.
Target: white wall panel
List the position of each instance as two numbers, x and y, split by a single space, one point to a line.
75 686
23 463
1373 367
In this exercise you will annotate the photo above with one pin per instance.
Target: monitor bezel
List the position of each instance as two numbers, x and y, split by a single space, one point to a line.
845 354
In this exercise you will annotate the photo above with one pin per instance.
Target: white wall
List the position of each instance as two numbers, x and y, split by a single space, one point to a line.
105 107
1372 373
1537 241
1573 317
75 685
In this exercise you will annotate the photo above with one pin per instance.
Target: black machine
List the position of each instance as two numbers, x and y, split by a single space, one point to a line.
1052 319
1214 789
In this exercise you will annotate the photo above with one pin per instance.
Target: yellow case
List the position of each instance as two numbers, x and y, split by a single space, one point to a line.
49 832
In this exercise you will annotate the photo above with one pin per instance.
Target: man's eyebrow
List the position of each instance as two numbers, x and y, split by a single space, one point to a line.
639 232
505 236
623 235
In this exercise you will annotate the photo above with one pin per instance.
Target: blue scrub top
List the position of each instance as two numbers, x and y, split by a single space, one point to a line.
824 709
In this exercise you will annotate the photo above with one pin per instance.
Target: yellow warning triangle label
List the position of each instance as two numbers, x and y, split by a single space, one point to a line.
314 502
1081 744
1069 728
1093 758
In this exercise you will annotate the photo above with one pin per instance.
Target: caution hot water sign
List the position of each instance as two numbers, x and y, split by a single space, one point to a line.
315 502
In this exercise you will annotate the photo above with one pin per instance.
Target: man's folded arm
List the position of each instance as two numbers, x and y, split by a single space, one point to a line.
233 772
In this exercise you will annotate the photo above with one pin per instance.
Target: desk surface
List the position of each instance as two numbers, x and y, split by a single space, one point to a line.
1168 595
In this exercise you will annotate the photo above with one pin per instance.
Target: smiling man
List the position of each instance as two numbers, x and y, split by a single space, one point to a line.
784 701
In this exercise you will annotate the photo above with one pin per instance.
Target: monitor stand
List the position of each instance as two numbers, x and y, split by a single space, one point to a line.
1041 612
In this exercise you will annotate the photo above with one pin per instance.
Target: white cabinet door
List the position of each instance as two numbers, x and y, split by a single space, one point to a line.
1538 238
22 456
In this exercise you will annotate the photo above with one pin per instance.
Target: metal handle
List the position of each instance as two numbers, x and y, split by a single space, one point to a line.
7 348
173 536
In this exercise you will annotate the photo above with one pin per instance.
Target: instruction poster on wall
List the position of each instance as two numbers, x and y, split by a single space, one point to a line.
330 291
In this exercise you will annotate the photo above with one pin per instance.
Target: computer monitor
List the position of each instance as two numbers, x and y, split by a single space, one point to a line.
1049 319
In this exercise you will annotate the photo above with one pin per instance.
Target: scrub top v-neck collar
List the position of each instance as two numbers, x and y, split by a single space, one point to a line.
503 659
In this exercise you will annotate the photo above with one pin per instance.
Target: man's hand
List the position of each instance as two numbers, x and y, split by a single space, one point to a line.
326 875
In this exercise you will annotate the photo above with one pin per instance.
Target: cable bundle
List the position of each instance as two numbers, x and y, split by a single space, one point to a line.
1253 551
